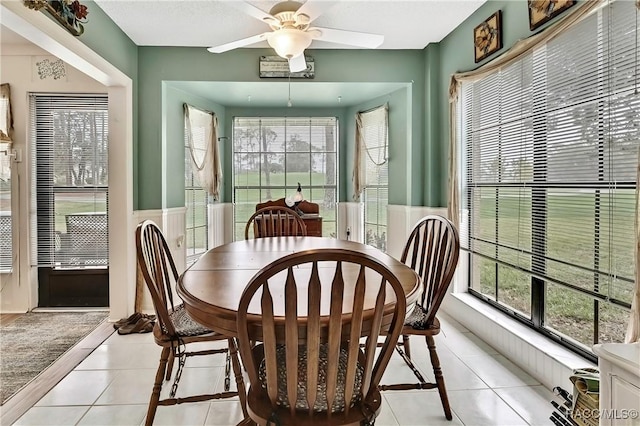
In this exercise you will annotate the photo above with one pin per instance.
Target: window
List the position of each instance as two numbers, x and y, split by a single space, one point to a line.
70 183
271 155
6 228
373 128
198 127
550 146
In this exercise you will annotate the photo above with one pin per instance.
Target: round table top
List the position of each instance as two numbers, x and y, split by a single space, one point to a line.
212 286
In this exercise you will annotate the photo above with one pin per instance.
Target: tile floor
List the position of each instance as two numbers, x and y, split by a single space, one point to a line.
112 387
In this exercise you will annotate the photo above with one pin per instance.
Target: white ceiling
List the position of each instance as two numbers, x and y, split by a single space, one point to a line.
411 24
405 24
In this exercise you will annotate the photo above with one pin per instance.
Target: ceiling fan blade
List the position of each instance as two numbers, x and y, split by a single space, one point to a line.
251 10
313 9
298 63
238 43
352 38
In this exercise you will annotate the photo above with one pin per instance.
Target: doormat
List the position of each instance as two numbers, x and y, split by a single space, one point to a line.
35 340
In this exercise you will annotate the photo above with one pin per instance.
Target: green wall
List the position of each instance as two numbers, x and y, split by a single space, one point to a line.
162 64
158 118
104 37
403 173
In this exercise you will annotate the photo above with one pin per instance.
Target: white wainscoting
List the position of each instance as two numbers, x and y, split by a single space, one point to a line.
351 221
400 222
172 222
217 224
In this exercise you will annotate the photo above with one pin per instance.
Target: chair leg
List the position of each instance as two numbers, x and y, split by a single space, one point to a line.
227 372
172 357
437 372
237 370
157 386
405 344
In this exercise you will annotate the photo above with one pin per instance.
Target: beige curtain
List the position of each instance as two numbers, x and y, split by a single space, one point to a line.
202 129
522 47
358 177
633 330
372 117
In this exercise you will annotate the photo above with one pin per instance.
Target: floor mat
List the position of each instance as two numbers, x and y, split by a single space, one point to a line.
35 340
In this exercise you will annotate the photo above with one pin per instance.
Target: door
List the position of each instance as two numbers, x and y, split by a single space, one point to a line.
70 145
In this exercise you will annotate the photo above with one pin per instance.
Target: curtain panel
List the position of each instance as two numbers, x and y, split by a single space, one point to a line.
202 139
378 117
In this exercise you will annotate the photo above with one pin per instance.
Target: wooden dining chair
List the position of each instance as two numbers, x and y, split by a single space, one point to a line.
275 221
431 250
308 366
174 328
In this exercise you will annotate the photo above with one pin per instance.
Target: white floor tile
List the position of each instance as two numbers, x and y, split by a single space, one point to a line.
533 403
224 413
419 407
386 417
465 344
128 387
193 414
122 356
50 416
114 415
483 407
113 386
78 388
498 372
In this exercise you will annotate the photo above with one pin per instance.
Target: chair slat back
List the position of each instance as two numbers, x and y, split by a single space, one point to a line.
321 339
275 221
159 271
432 250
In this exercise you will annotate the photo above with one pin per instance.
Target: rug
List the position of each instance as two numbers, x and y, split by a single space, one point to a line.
34 341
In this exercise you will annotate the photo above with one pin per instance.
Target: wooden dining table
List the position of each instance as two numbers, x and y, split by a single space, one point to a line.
212 286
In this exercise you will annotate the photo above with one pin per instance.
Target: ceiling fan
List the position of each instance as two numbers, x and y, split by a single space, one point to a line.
291 32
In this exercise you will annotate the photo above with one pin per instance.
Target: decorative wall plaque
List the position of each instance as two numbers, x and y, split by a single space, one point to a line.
487 37
277 67
48 68
541 11
70 13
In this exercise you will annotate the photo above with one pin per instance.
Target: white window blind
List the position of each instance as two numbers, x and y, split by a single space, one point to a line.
551 147
69 145
375 135
273 154
199 123
6 230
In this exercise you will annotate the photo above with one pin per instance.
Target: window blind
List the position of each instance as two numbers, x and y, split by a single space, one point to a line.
551 145
6 229
272 154
199 124
69 146
374 132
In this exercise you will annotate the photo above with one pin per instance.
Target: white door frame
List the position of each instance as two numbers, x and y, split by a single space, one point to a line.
48 35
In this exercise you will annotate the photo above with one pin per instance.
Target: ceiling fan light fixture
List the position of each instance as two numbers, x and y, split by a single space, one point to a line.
288 42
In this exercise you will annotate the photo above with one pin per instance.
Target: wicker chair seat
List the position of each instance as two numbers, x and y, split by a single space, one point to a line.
320 404
184 324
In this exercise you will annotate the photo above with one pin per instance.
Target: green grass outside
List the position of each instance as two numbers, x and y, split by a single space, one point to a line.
246 199
566 311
